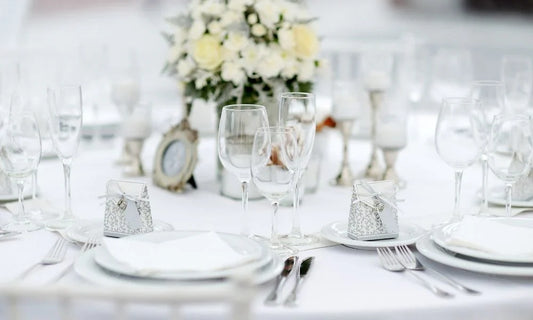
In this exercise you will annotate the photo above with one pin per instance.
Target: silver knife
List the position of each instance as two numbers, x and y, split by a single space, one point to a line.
272 298
303 271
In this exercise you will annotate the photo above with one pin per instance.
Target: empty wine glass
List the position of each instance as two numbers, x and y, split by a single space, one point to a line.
273 167
455 141
516 75
297 111
236 131
65 108
20 153
490 95
509 150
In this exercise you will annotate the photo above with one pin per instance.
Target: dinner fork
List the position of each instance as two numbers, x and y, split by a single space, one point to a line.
54 256
410 261
92 242
391 263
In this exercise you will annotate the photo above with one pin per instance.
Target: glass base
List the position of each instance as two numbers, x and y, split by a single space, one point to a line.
22 226
278 248
60 224
42 215
304 240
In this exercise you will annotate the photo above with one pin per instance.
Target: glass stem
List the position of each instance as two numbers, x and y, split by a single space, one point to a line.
22 212
274 237
296 231
68 203
245 231
509 198
34 185
456 208
485 186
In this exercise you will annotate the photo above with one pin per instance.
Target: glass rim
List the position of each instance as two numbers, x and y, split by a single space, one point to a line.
517 116
297 94
275 129
239 107
487 83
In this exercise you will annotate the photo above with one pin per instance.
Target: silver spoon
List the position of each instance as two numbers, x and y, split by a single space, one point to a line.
272 298
305 266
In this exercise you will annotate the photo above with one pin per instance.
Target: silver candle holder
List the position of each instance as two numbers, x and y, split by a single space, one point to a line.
133 148
345 177
374 170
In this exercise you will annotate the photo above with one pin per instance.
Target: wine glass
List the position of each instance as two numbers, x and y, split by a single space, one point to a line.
509 150
516 75
455 140
273 167
490 95
65 108
297 111
236 131
20 153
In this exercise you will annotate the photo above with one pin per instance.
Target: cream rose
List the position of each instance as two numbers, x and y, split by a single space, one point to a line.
305 41
207 52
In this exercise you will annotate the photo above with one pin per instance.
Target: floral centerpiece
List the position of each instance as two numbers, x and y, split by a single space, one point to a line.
242 51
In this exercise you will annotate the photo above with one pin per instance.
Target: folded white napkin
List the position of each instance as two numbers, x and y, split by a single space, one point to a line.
492 236
202 252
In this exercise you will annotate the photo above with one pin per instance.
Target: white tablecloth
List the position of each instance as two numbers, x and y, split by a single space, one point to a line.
344 284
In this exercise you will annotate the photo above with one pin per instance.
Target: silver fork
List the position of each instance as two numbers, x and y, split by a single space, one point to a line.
391 263
54 256
92 242
410 261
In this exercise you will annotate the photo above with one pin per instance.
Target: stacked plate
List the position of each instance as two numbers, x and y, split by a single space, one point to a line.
82 231
100 266
482 251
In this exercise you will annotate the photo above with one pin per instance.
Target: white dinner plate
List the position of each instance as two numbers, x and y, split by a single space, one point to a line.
261 256
496 196
337 232
433 251
87 268
81 231
441 234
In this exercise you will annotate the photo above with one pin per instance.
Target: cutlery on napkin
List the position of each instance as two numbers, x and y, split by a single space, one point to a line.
491 236
202 252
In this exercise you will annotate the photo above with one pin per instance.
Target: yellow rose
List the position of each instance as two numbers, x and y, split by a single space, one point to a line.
305 41
207 52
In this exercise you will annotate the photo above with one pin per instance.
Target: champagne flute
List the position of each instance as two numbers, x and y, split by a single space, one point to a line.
297 111
509 150
65 108
273 167
20 153
517 75
455 141
238 124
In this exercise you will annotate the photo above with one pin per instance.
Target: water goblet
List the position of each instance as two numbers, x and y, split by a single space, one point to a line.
236 131
509 150
65 108
274 163
516 75
297 111
20 153
455 141
490 97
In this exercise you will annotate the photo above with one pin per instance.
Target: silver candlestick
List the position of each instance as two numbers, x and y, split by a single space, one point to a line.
345 177
374 170
390 156
133 149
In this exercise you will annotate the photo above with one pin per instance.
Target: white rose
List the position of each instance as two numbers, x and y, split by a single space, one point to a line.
197 29
235 42
252 54
259 30
229 17
305 41
174 53
270 66
212 8
185 67
214 27
286 39
306 70
207 52
268 12
290 68
231 71
200 82
252 19
289 10
238 5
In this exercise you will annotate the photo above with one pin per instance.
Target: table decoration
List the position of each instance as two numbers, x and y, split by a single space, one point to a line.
136 128
373 212
235 52
127 209
176 158
391 138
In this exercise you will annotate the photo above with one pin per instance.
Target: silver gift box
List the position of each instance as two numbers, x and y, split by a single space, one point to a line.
373 212
127 209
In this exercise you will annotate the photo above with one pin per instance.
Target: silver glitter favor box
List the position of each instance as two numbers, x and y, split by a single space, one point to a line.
373 212
127 209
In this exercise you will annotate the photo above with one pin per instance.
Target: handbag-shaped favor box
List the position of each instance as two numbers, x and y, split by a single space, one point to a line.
127 209
373 212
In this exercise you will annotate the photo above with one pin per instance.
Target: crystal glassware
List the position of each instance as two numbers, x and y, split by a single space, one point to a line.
297 111
274 163
516 75
20 153
66 114
490 97
509 150
455 141
391 138
236 131
345 110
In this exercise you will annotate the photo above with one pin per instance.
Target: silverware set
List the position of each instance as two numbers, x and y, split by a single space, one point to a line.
401 258
290 266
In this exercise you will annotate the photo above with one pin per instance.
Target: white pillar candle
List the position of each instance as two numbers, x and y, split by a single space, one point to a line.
391 135
376 80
